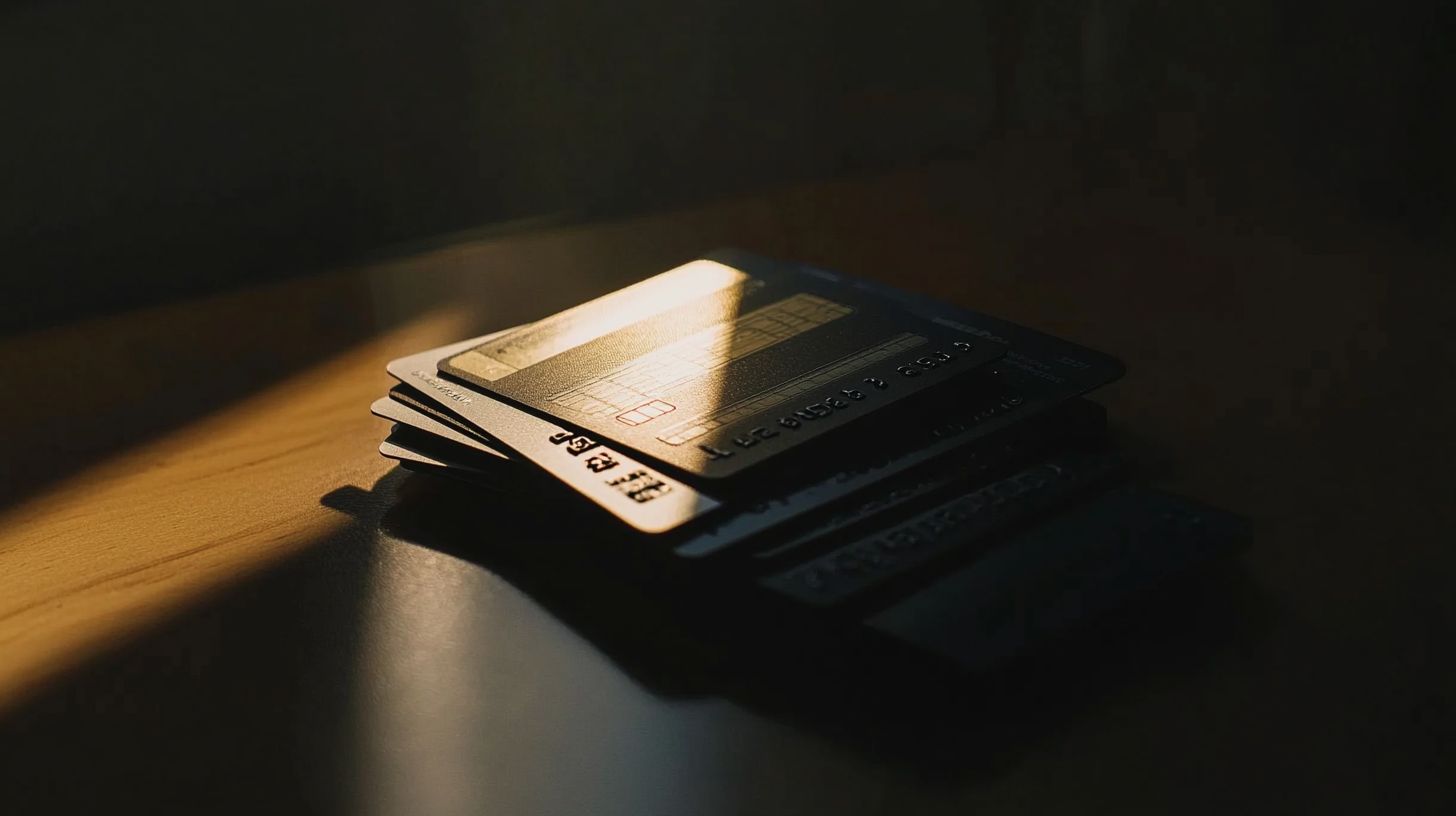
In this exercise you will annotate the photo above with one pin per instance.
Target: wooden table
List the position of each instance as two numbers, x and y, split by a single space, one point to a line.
211 599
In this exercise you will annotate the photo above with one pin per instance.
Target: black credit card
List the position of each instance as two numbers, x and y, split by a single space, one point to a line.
1065 366
1038 373
712 368
1059 574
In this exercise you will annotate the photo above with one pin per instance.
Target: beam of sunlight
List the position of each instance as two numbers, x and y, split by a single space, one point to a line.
472 698
126 542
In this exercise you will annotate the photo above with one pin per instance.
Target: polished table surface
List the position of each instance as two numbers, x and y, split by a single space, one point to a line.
215 596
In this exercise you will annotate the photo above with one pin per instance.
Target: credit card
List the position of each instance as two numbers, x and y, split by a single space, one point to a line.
1060 574
391 448
1037 373
1076 424
395 411
417 400
958 440
712 369
419 450
638 494
1032 355
958 523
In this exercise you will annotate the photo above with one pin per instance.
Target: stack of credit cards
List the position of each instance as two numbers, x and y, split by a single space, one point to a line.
819 444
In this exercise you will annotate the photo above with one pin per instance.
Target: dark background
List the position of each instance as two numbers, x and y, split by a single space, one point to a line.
165 147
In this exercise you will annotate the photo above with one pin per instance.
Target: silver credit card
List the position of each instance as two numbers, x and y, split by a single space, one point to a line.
393 448
395 411
712 370
638 494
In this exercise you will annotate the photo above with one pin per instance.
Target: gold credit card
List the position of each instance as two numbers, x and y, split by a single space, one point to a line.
720 364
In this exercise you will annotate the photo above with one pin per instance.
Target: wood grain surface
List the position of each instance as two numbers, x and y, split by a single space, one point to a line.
139 535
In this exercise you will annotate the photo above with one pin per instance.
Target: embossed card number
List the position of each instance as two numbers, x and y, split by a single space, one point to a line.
640 485
647 501
845 398
694 367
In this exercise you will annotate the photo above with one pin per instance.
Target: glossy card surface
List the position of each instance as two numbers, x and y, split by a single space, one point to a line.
636 493
711 369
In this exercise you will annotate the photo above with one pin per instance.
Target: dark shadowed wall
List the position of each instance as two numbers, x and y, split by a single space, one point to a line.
160 147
